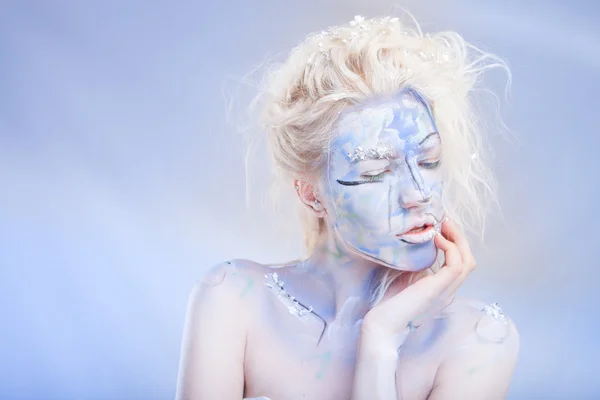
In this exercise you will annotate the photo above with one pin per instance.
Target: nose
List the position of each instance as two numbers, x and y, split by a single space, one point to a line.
414 191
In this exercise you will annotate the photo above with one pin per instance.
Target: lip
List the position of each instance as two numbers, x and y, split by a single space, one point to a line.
421 236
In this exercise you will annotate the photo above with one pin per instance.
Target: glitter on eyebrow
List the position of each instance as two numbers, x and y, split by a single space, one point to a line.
379 153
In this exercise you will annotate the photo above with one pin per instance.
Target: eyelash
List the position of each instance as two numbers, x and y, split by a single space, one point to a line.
368 179
379 176
431 165
375 178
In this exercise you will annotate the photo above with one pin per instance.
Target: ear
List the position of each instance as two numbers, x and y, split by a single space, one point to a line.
309 197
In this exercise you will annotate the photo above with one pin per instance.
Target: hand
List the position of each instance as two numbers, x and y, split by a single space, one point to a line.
393 316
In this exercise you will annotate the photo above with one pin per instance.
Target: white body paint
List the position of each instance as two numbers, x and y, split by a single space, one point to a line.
384 178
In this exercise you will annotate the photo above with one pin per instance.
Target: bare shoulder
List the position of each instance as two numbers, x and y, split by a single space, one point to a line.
232 282
464 322
224 299
481 348
229 272
220 311
474 318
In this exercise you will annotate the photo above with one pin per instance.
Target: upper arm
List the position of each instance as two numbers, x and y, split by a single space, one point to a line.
214 339
481 365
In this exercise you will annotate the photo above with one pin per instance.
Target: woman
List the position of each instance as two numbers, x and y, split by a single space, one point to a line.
371 123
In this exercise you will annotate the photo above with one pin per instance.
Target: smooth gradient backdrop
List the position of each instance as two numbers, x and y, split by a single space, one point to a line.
122 178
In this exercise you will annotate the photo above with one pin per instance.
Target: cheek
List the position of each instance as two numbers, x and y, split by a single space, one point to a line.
436 184
433 179
437 189
366 206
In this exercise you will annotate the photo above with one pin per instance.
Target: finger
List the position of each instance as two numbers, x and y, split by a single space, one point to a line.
451 232
433 285
450 250
454 260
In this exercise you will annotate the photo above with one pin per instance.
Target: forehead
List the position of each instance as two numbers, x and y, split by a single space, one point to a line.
402 119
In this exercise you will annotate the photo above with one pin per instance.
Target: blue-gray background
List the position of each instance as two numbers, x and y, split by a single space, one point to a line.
121 180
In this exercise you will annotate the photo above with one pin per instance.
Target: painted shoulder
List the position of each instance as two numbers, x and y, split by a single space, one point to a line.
473 321
466 321
467 311
480 352
238 278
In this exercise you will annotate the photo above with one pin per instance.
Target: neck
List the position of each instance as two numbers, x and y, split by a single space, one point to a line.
347 278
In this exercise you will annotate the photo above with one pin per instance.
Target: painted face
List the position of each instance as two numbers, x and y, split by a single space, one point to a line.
383 183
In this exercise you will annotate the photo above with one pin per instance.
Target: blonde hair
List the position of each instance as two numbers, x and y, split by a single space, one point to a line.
301 100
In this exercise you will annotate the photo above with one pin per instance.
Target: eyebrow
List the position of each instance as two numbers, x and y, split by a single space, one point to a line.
379 153
427 137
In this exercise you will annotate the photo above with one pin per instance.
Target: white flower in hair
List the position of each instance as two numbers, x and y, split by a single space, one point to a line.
358 19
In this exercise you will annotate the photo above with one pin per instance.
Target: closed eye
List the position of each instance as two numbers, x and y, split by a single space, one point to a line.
430 165
374 177
367 178
377 176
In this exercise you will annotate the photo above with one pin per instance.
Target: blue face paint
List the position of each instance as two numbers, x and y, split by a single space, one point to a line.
383 182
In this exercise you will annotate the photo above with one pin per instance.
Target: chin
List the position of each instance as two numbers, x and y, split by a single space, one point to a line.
414 257
406 257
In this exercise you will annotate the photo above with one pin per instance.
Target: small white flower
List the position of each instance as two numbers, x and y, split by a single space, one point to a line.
358 19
